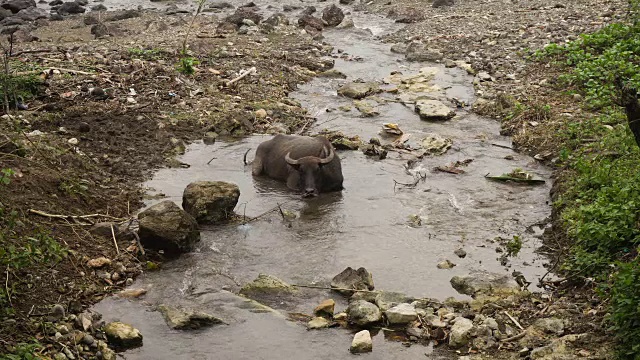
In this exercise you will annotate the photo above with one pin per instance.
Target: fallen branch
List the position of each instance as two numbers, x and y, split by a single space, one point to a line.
268 211
135 234
242 76
115 242
66 217
55 68
515 337
514 320
331 288
502 146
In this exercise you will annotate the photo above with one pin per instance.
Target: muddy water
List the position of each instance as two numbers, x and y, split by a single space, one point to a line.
368 224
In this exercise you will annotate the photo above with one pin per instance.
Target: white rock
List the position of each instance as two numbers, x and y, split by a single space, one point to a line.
361 342
433 110
460 330
318 323
401 314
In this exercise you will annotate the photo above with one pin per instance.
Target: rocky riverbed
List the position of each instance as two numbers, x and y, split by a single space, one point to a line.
115 104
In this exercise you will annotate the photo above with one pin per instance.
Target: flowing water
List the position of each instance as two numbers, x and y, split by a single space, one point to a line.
367 224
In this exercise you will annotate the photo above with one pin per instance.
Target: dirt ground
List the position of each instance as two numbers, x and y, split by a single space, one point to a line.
87 154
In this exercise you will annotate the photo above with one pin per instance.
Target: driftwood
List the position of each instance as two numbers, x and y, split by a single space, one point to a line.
242 75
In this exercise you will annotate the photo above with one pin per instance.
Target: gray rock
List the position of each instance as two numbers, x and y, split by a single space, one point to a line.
309 21
485 283
165 226
100 30
17 5
277 19
484 76
491 323
433 110
98 7
434 321
356 90
123 336
332 74
241 14
266 285
289 8
399 48
71 7
32 14
441 3
550 325
180 319
347 2
127 14
401 314
309 10
449 63
446 264
210 202
57 312
220 5
318 323
333 15
4 13
420 52
369 296
388 299
361 341
460 333
460 253
349 278
363 313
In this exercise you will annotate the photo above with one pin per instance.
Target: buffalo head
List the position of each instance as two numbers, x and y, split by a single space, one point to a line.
309 171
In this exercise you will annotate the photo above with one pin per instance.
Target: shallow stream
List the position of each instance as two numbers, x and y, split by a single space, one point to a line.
372 223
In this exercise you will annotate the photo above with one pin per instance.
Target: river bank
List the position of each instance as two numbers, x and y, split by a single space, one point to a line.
167 110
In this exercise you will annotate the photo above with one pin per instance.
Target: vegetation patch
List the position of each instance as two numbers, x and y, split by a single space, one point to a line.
599 207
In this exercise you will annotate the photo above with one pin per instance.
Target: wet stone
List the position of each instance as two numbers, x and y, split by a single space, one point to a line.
333 15
358 91
363 313
266 285
210 202
388 299
123 335
460 333
401 314
460 253
349 278
318 323
485 283
433 110
165 226
187 320
325 309
361 342
446 264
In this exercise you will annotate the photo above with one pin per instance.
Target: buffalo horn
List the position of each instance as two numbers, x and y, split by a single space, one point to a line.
328 158
289 160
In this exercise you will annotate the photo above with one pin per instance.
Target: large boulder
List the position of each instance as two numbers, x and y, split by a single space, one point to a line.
460 333
363 313
165 226
32 14
433 110
333 15
123 336
16 5
265 285
485 283
210 202
352 280
71 7
310 21
179 319
356 90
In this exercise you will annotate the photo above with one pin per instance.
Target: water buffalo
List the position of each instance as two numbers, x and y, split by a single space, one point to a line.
305 163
